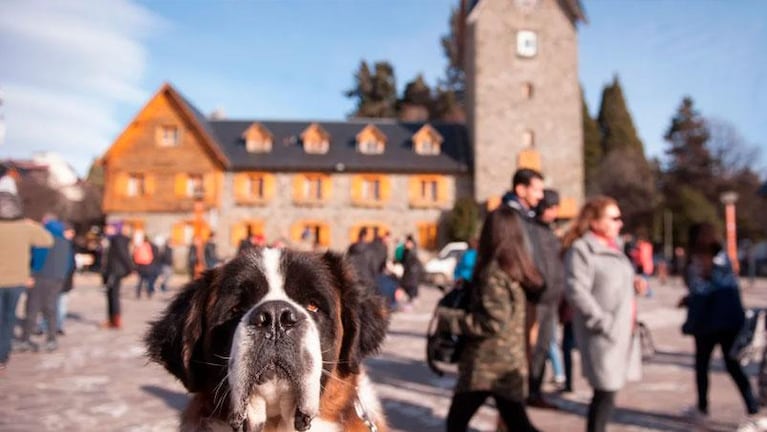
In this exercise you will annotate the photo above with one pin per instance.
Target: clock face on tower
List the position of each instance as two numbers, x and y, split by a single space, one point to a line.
527 43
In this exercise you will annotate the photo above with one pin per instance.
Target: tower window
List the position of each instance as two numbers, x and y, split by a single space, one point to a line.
527 90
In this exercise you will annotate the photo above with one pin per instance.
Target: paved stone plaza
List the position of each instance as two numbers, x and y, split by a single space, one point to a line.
100 380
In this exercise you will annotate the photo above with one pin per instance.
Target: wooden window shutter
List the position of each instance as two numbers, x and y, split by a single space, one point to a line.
327 187
442 195
150 184
357 189
241 186
269 186
238 232
414 190
177 233
324 239
121 184
298 188
353 231
179 185
385 188
209 186
295 232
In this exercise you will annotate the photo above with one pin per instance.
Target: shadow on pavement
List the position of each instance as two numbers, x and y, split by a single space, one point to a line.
173 399
644 419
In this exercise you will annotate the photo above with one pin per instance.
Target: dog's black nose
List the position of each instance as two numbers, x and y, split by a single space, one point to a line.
276 315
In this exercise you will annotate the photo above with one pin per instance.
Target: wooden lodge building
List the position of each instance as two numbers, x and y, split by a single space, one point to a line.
320 182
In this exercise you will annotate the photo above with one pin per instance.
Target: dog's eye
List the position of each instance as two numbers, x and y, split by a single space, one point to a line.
311 307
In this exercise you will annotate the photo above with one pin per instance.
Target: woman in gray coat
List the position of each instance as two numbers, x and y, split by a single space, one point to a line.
600 287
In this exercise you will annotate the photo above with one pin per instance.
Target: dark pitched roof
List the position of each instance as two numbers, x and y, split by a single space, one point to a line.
288 154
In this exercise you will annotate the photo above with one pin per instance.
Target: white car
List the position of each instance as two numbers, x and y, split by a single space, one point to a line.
439 270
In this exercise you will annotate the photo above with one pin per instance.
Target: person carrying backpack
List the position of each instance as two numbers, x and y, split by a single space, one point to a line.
493 362
144 254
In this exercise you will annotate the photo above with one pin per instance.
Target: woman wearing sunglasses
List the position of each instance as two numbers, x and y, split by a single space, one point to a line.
600 287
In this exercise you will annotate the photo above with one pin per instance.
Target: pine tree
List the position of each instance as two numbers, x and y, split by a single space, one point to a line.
362 90
623 172
452 46
690 161
592 149
384 90
615 121
416 103
417 92
449 98
376 93
463 220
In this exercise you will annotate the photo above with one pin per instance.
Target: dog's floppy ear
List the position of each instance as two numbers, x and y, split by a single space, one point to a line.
174 340
364 315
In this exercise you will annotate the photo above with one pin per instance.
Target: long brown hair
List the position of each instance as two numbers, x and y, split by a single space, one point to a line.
592 211
502 240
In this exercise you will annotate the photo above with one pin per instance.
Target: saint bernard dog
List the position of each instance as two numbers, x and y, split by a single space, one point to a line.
273 340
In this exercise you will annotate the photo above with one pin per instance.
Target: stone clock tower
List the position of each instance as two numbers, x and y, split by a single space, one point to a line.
523 100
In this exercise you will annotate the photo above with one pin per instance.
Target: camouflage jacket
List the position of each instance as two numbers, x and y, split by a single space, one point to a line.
494 356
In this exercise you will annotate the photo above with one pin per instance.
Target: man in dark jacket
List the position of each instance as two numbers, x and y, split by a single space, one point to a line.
49 281
118 265
553 274
525 195
360 256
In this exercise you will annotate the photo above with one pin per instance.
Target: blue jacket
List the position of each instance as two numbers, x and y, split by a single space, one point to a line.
465 266
55 262
714 304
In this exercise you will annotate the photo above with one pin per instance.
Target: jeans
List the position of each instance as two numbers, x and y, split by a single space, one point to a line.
568 344
547 325
555 359
9 298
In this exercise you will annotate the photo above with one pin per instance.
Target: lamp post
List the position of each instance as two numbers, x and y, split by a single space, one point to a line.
729 199
197 241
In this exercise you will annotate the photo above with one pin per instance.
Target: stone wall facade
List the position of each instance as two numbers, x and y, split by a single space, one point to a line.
501 109
338 211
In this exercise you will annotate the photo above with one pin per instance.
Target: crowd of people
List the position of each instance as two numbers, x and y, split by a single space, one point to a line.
529 278
525 276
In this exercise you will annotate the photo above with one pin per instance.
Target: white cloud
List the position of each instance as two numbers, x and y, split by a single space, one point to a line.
66 69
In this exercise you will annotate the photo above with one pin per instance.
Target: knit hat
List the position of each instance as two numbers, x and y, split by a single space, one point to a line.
550 199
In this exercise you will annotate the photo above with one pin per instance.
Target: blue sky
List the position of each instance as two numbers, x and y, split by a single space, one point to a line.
75 73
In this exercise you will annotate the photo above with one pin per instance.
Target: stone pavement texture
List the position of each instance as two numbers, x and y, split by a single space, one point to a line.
100 379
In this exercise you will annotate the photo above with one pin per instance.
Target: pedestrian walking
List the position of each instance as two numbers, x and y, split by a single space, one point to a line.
547 309
19 237
55 264
210 253
146 263
118 265
361 257
715 314
165 260
600 285
494 362
412 269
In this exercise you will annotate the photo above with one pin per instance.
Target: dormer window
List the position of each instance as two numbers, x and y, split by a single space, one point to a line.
315 139
427 141
257 139
371 140
167 136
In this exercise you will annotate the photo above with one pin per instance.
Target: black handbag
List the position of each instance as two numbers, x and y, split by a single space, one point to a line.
442 346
